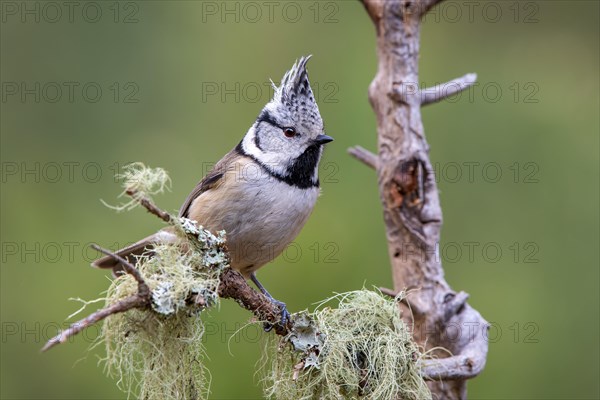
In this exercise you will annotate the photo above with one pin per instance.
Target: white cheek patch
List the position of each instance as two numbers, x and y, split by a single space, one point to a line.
276 162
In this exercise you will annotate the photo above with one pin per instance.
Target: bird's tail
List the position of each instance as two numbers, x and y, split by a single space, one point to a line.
131 252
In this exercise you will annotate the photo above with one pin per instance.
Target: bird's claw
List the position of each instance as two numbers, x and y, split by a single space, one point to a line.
285 316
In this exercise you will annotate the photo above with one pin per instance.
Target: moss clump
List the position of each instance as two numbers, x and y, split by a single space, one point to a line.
156 353
360 349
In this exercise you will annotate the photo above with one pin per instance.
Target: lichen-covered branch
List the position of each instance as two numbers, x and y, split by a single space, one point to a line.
410 200
232 285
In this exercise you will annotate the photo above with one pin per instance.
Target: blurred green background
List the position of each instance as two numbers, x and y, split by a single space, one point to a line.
88 87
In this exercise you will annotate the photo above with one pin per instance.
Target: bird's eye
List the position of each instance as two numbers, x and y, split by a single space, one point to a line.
289 132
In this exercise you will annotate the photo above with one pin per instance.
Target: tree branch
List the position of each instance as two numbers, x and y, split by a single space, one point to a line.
405 91
374 9
139 300
427 5
151 207
452 368
410 199
472 340
143 289
134 301
448 89
363 155
234 286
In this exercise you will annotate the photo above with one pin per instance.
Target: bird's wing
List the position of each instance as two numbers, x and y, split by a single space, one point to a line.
211 181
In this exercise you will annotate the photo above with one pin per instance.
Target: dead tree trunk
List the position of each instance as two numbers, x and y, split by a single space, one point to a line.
408 191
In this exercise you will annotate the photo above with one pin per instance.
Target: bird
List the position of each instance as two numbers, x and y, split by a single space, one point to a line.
263 191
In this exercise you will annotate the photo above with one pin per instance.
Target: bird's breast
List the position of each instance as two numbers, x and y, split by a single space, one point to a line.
261 215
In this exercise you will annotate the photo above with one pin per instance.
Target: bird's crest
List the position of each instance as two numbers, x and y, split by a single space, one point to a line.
294 92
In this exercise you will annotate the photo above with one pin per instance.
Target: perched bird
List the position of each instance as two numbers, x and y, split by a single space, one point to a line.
263 191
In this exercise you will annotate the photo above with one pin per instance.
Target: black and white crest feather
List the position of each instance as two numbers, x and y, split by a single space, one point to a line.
296 94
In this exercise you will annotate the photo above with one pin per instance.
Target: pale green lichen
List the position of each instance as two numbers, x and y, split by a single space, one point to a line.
140 181
157 353
361 349
209 245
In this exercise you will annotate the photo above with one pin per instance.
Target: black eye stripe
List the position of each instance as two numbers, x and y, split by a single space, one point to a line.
265 116
257 140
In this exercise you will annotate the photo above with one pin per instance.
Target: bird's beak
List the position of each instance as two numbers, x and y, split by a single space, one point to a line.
322 139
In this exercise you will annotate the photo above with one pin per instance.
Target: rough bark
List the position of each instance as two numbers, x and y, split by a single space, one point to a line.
411 208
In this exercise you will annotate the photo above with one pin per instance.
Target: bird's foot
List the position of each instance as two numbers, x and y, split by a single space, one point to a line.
285 315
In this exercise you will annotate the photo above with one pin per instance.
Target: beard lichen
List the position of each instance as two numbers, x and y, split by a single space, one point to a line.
140 181
361 349
156 353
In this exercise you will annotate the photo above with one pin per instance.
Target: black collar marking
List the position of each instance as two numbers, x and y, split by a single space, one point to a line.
300 173
304 167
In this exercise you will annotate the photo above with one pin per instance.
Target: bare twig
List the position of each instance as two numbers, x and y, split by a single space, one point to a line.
451 368
363 155
388 292
455 305
374 9
426 5
150 206
143 289
448 89
139 300
405 91
134 301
